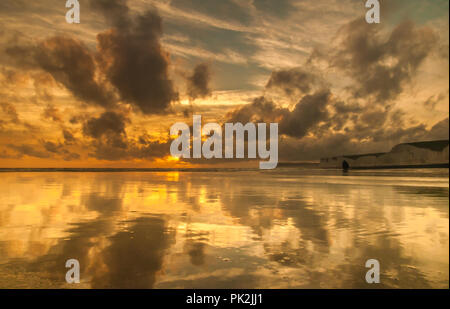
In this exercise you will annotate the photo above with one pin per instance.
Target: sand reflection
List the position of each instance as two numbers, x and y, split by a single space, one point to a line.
223 229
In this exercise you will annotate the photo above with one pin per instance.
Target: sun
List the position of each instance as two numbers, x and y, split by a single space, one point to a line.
172 159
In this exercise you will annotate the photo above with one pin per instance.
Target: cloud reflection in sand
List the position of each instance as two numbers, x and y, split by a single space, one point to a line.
246 229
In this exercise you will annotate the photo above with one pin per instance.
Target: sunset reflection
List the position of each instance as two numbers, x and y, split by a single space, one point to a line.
221 230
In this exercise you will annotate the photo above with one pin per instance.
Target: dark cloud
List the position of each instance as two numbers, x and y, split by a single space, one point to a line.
295 81
51 112
116 12
52 147
382 66
129 65
439 131
109 136
73 65
260 110
343 112
29 150
68 137
152 150
110 141
108 123
68 61
70 156
198 82
309 111
133 59
125 149
21 55
359 140
105 139
344 108
59 149
322 125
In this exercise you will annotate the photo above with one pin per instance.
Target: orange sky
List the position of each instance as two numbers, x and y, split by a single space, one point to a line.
104 93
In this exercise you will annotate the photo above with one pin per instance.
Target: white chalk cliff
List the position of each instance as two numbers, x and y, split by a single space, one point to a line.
421 154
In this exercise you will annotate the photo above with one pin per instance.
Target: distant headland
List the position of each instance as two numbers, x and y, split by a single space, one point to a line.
428 154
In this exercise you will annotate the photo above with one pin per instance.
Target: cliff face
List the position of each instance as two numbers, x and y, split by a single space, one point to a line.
411 154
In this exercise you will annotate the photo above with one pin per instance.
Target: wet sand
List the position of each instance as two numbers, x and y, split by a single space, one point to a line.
286 228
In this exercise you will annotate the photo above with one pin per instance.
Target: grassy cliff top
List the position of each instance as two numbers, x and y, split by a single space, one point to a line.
431 145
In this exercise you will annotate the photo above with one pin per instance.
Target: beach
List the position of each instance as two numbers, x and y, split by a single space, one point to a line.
291 227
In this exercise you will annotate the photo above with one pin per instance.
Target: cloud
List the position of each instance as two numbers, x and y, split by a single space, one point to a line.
372 130
29 150
339 143
439 131
109 136
132 58
321 124
70 156
135 256
433 100
52 147
345 103
129 64
381 65
260 110
51 112
10 111
109 140
108 123
226 10
280 8
59 149
309 111
198 82
122 148
73 65
68 137
292 81
116 12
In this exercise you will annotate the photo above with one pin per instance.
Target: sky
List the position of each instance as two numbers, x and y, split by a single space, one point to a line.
104 93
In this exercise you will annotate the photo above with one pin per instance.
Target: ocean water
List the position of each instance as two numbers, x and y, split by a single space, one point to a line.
285 228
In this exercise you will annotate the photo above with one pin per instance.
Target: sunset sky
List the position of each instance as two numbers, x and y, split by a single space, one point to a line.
104 93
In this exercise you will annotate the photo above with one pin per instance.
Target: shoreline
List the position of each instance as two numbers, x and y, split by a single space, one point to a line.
219 169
